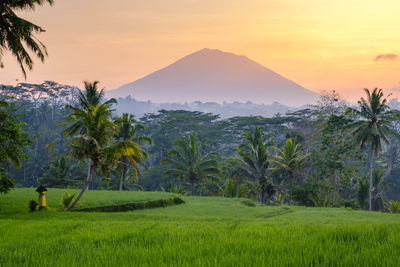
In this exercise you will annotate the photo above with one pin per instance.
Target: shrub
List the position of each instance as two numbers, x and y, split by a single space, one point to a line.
33 204
6 184
349 204
136 205
394 206
66 200
308 195
278 199
248 202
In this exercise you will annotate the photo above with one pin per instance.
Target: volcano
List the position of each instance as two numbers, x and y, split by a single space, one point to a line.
211 75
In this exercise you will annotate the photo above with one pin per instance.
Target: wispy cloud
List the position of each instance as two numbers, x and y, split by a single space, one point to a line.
396 88
385 57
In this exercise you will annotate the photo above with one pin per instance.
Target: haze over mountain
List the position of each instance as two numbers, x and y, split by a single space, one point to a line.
224 110
214 76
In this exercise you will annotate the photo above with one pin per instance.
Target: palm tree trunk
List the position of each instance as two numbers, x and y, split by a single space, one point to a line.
123 174
121 181
89 180
291 189
88 171
371 162
23 165
334 188
261 194
37 160
390 164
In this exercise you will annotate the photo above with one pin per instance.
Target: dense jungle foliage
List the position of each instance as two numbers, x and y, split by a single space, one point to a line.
306 156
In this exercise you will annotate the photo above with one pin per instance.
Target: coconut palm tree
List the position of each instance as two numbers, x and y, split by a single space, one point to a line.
128 130
92 95
188 162
289 159
93 134
254 159
17 34
371 126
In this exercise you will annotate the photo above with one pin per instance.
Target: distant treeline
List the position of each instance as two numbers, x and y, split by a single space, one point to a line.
224 110
335 171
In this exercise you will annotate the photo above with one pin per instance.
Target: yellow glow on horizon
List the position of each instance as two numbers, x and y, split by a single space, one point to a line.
319 44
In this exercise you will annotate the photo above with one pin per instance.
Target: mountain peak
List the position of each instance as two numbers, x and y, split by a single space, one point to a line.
215 75
210 51
215 54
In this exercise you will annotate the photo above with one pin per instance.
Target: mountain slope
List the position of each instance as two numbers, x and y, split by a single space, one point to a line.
213 75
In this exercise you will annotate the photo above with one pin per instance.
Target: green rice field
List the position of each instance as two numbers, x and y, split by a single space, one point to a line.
204 231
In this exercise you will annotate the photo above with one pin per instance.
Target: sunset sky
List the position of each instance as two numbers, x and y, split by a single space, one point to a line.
344 45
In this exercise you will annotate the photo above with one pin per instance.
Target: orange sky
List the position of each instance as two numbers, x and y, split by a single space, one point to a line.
320 44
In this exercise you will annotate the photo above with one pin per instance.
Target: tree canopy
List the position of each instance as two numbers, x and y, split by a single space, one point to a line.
17 35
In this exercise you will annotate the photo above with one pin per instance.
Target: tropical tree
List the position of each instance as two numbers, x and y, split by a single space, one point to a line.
92 95
380 187
93 134
334 156
62 173
188 162
253 159
168 125
371 126
12 142
17 34
362 192
232 189
289 159
128 131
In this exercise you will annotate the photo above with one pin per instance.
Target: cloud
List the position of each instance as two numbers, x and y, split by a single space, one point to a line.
385 57
395 89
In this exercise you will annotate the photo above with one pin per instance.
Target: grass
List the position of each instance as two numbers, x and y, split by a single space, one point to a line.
206 231
17 200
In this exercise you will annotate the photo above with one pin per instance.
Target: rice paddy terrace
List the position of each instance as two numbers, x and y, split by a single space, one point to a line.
202 231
